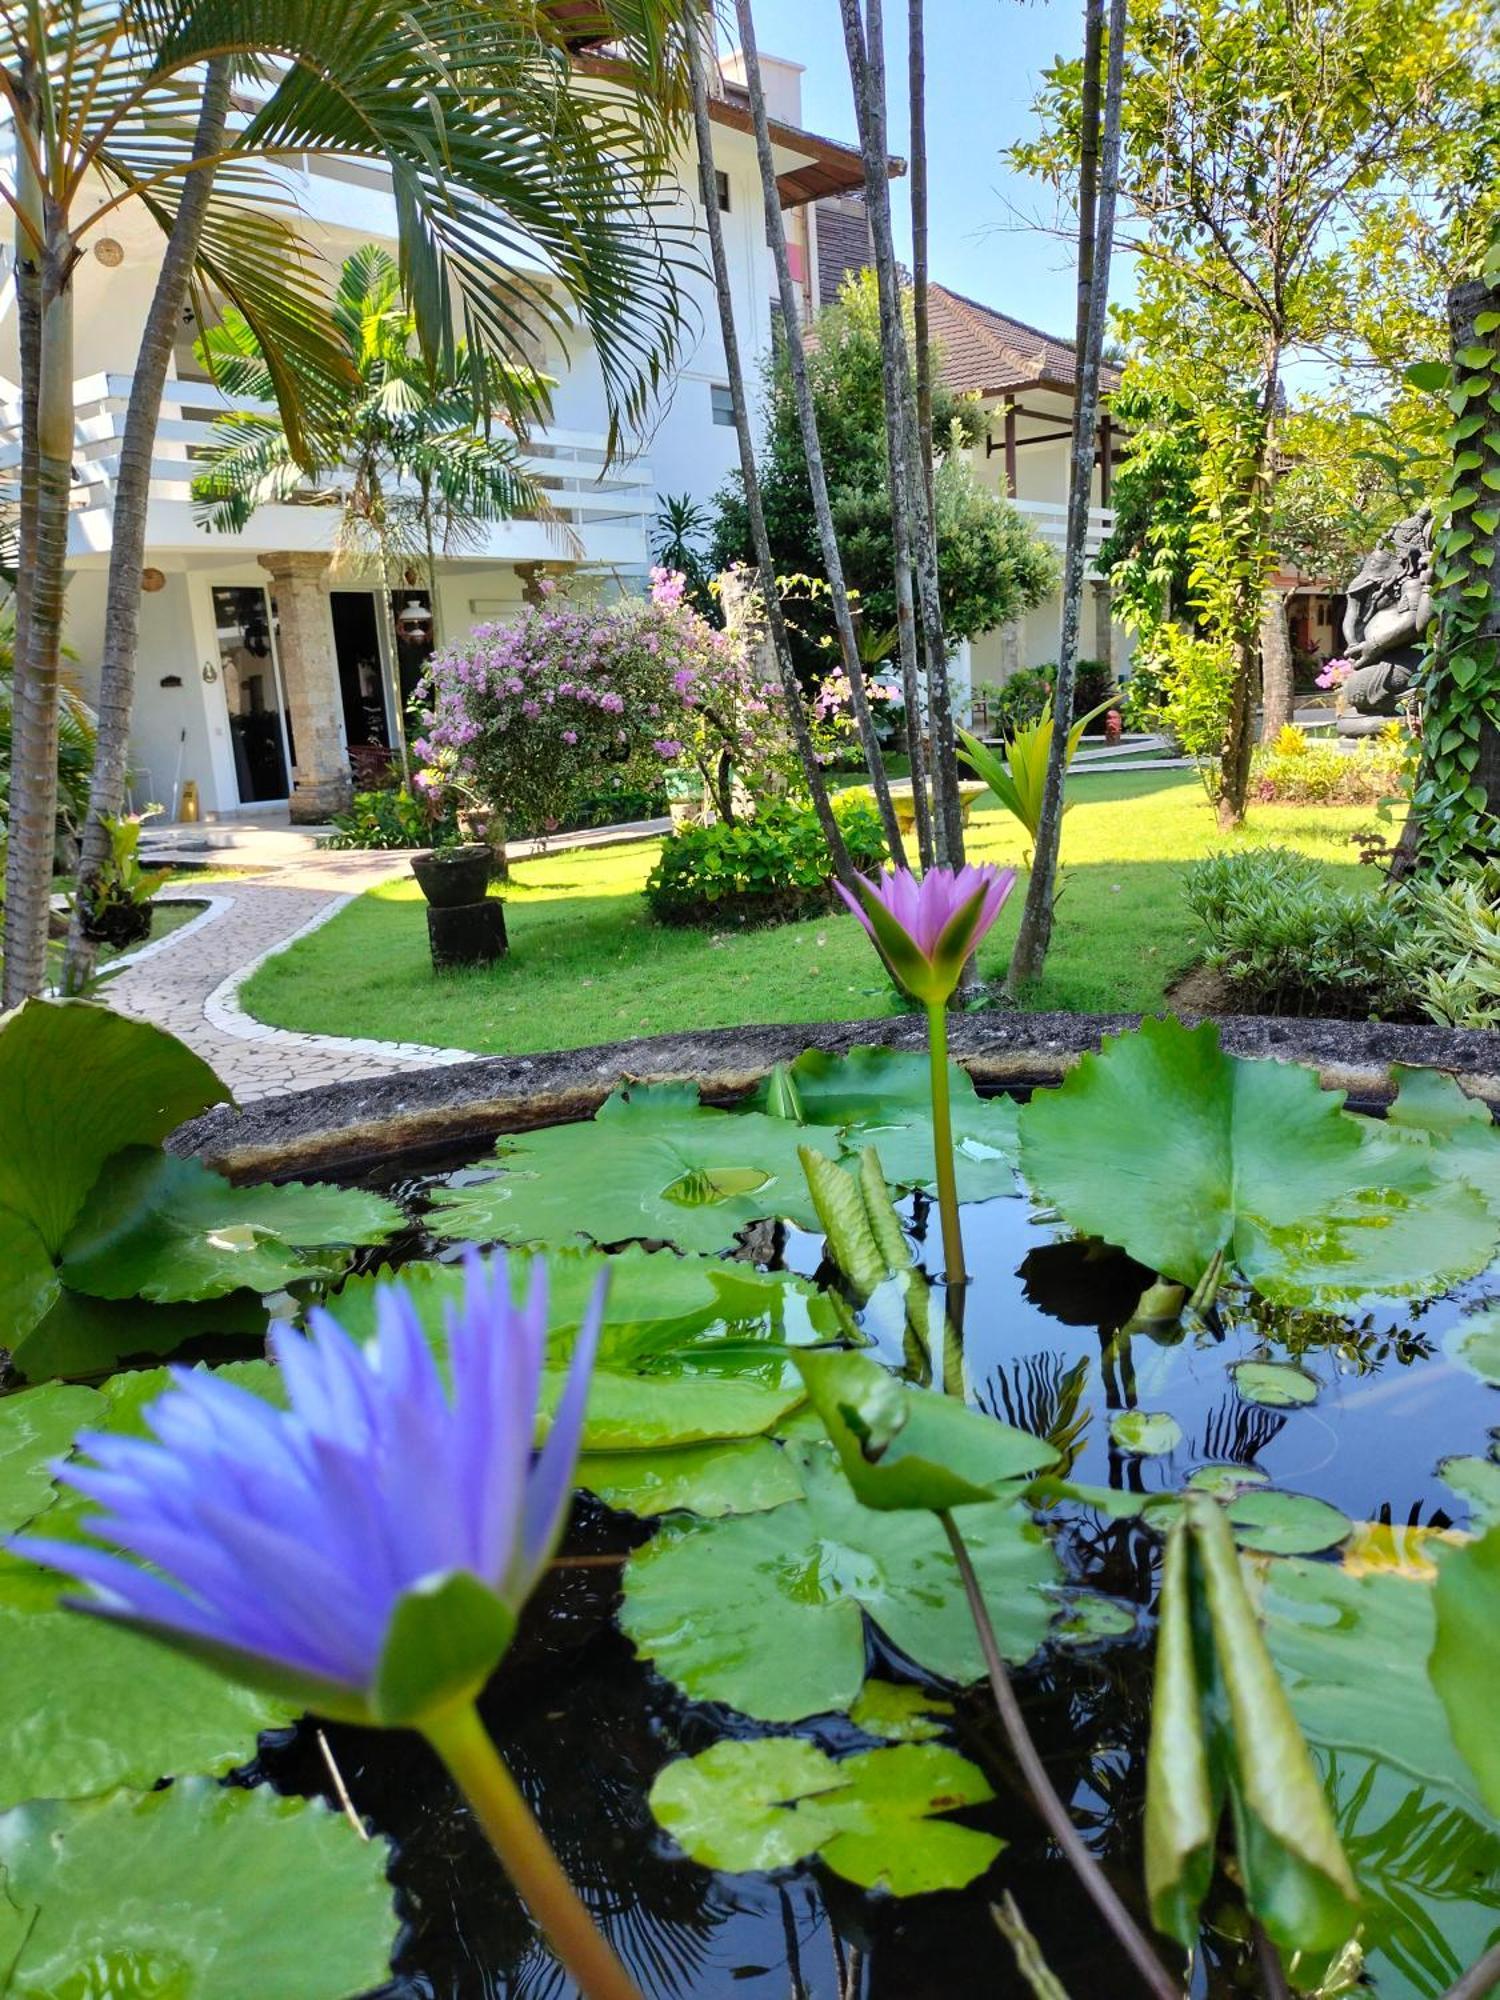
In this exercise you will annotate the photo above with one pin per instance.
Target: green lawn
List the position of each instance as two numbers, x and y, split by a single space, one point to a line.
587 965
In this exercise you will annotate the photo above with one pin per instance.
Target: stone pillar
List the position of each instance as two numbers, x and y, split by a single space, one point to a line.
1104 635
1010 649
309 669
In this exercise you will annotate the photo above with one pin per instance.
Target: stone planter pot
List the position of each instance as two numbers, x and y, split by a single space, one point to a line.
450 877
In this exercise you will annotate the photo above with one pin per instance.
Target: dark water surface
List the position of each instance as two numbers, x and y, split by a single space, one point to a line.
586 1728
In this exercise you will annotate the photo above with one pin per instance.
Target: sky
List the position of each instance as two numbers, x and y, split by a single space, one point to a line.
989 226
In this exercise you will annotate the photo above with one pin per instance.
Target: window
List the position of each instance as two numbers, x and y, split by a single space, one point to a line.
721 181
723 404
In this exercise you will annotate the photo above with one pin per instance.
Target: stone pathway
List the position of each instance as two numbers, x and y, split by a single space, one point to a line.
188 981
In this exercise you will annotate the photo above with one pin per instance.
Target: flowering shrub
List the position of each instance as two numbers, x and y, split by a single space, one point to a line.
767 870
573 699
1297 770
1335 674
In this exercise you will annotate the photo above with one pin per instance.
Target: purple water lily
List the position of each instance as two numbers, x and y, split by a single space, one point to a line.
927 930
285 1543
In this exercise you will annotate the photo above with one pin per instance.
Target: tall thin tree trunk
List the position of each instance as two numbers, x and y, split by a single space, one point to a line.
700 25
948 831
33 792
132 500
807 417
1098 186
29 349
1233 795
869 106
1275 665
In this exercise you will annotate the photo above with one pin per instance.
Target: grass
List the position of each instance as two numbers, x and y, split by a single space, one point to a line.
587 965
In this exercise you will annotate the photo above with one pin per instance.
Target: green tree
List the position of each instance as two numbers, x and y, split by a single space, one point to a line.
465 102
1269 144
991 567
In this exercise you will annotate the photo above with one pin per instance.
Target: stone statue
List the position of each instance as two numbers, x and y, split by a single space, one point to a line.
1389 607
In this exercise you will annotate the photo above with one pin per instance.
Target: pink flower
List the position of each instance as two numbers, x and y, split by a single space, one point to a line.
570 736
927 931
1335 673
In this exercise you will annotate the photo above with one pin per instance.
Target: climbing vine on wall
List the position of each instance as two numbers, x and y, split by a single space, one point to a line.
1455 798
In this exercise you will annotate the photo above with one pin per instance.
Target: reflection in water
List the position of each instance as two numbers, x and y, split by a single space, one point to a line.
1044 1348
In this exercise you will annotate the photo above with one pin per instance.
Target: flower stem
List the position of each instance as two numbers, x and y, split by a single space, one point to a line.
460 1739
942 1144
1075 1850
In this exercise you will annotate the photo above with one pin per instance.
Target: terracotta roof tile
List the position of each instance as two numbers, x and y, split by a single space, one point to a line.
981 349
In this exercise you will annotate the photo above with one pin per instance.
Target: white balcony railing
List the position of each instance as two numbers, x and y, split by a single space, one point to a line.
1050 520
605 506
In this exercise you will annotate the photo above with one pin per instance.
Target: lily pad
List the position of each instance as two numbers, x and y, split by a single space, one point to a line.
196 1892
1478 1480
1287 1524
1277 1385
81 1337
37 1426
883 1098
784 1638
872 1818
900 1713
77 1084
1460 1136
160 1228
1475 1344
1088 1619
1225 1481
1183 1155
1467 1604
913 1448
653 1164
1145 1433
736 1476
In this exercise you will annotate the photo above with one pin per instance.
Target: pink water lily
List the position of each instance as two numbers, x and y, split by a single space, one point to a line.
927 930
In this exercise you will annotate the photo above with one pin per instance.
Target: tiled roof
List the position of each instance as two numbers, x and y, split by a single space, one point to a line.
981 349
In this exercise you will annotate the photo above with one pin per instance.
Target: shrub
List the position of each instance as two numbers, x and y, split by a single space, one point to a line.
1286 941
768 870
1180 685
391 819
1456 942
1298 770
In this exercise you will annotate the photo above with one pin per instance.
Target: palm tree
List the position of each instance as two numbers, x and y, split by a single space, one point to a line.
471 107
403 448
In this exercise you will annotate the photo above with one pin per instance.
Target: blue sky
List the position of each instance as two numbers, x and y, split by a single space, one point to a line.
984 62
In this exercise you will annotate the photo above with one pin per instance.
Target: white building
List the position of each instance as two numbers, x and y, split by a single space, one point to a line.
261 668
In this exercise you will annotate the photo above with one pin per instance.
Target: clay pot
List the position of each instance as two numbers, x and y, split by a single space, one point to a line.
450 877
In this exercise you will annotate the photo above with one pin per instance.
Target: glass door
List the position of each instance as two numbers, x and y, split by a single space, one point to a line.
258 727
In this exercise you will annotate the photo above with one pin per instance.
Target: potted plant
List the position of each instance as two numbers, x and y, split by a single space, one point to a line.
116 907
452 877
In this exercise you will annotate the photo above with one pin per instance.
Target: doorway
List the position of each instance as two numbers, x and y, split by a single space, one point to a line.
259 729
357 649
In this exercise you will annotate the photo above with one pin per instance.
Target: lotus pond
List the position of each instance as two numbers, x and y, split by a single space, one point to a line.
748 1701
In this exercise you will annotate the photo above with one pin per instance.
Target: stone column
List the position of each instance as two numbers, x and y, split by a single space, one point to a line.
310 672
1104 635
1010 649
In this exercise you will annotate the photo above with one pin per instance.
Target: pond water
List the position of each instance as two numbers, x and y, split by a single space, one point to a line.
587 1727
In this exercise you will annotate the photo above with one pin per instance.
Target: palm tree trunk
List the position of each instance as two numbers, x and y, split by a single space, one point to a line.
807 417
700 25
867 74
127 554
949 831
1098 186
1275 665
33 795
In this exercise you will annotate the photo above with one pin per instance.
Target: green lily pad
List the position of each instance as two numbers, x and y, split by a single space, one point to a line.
902 1447
1145 1433
166 1229
1089 1619
1181 1154
1277 1385
77 1084
1475 1344
196 1892
37 1426
106 1707
1457 1132
1467 1606
883 1098
79 1337
899 1712
1287 1524
653 1164
735 1476
1225 1481
1478 1480
786 1638
871 1818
